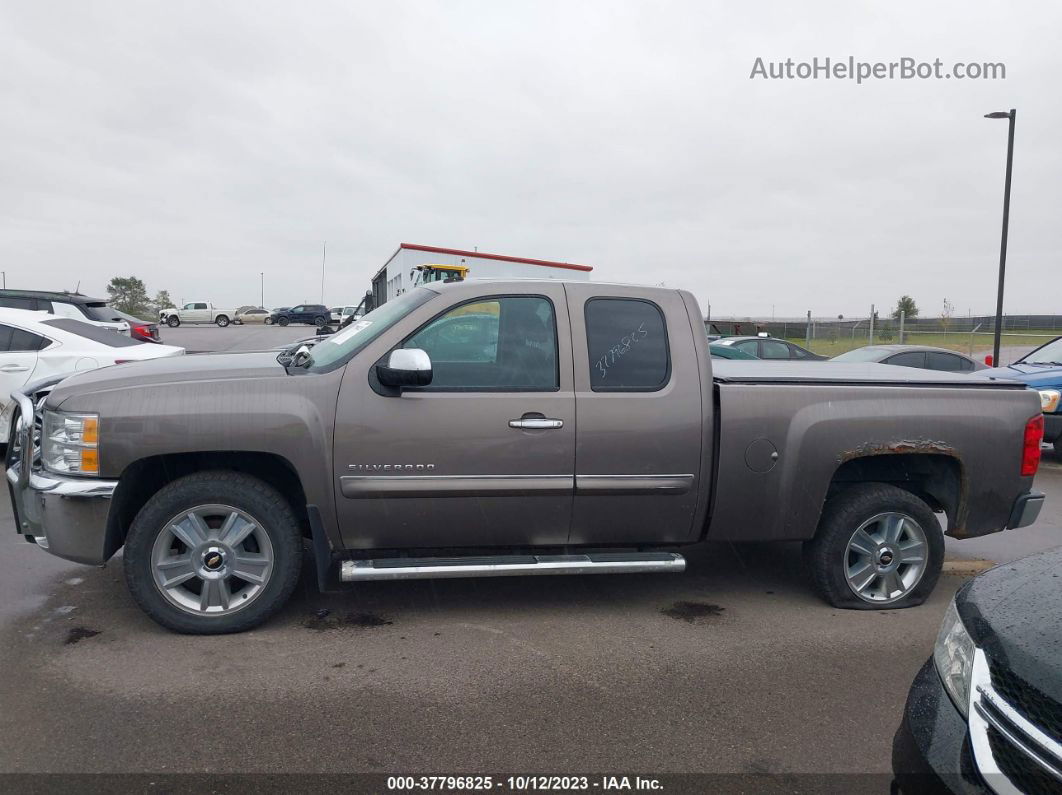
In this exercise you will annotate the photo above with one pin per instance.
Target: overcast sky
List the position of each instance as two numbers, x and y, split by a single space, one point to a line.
197 144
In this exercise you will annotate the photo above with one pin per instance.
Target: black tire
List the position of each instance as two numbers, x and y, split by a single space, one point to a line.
173 321
282 321
222 321
826 554
319 321
258 499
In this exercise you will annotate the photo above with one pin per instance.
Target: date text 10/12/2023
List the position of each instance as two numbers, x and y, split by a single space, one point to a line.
523 783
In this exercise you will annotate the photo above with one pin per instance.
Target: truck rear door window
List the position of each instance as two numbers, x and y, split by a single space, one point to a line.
499 344
626 339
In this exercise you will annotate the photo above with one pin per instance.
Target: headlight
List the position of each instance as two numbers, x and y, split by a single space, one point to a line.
1049 399
954 656
70 443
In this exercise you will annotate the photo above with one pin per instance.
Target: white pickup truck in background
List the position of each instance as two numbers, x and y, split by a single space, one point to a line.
196 312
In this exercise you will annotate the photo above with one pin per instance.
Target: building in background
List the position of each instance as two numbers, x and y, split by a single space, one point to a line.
399 272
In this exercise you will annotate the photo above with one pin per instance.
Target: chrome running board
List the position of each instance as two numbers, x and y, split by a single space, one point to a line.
511 566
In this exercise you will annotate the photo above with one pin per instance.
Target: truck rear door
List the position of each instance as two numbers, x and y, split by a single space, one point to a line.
639 436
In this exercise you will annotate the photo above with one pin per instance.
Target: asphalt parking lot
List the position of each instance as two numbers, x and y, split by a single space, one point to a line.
733 667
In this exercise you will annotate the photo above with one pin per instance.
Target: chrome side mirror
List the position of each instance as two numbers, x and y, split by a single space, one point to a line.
405 367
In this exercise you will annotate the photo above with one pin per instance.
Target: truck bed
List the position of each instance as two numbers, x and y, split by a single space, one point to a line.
788 432
757 372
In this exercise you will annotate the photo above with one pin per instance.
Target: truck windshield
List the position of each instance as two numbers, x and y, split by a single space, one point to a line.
343 344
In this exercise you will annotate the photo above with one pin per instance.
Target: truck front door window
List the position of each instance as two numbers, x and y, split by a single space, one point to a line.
627 343
505 343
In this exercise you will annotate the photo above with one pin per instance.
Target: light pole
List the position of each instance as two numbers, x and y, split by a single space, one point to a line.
262 277
1012 116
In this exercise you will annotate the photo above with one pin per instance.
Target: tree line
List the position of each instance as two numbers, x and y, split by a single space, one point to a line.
129 294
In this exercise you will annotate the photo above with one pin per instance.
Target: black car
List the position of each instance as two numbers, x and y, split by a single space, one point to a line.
770 348
72 305
985 712
314 314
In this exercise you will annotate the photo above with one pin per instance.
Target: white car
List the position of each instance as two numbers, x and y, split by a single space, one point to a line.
36 345
341 313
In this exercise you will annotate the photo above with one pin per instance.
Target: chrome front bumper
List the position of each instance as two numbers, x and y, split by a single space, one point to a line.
66 516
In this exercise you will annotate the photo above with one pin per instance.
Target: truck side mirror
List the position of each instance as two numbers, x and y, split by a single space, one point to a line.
405 367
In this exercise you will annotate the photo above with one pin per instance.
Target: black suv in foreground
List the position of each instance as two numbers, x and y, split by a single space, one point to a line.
314 314
985 712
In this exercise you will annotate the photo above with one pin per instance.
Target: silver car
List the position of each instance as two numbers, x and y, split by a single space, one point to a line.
923 357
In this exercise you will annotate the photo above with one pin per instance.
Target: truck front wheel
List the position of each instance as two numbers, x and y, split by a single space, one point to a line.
877 547
213 553
173 321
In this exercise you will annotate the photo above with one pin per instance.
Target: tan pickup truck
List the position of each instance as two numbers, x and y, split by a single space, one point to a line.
510 428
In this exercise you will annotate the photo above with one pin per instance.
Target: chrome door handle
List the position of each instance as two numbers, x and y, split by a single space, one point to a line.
536 424
13 368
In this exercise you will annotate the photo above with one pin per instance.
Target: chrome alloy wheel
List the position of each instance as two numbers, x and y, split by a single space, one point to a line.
886 558
212 560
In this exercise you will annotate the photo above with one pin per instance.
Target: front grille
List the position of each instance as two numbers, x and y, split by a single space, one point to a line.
1044 712
1014 732
1022 772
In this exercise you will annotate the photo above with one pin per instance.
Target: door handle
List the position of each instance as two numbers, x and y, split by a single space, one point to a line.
13 368
536 424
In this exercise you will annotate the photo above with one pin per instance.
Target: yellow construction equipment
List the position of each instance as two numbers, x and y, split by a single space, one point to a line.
425 274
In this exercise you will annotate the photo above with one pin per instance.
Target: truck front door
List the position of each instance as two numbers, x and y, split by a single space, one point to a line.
482 457
197 312
638 397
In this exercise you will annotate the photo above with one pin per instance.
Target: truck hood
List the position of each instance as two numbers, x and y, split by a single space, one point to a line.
1014 612
1030 374
171 370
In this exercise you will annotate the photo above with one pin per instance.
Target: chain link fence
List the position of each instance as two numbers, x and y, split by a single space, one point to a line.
972 335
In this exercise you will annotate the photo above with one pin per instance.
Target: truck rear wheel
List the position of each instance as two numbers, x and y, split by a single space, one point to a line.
173 321
222 321
877 547
213 553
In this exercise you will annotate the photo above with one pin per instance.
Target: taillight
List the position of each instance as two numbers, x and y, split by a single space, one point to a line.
1030 451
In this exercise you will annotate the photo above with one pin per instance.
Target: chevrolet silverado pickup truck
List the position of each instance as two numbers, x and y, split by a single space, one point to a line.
510 428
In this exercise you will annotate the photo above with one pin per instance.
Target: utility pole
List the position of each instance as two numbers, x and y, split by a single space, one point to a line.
807 332
872 324
903 316
262 276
